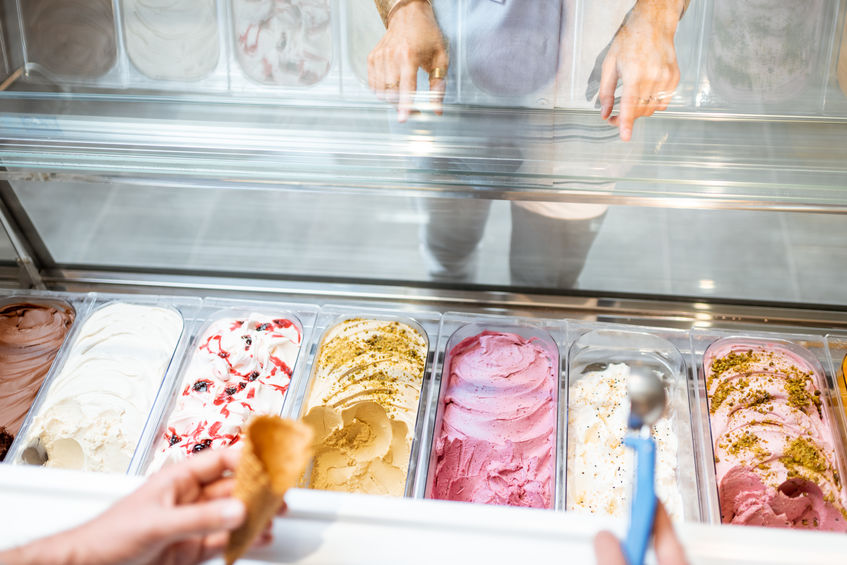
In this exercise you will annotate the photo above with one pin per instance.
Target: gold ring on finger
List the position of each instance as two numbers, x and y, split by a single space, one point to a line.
645 100
391 85
438 73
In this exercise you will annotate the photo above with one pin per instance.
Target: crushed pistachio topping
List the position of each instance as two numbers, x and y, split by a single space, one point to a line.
801 454
745 441
797 388
732 361
392 342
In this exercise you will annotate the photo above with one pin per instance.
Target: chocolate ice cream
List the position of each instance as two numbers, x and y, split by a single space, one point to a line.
30 336
71 37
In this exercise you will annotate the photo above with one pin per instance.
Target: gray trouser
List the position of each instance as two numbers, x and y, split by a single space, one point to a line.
544 252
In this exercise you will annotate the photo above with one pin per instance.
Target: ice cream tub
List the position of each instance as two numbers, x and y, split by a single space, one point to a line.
496 418
763 56
242 361
72 42
95 404
284 46
837 347
600 469
33 329
362 30
176 45
365 399
774 431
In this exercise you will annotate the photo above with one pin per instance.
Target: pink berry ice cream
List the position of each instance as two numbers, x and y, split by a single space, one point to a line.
240 366
775 458
496 443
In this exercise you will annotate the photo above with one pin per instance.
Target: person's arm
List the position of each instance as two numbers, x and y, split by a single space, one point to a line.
412 40
642 55
183 514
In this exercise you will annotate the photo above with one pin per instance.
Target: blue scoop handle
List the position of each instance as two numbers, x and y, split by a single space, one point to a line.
644 502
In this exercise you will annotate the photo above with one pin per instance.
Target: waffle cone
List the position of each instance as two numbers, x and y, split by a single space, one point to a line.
275 454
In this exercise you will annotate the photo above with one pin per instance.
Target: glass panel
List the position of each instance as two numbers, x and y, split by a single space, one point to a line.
8 257
276 147
754 255
755 120
770 57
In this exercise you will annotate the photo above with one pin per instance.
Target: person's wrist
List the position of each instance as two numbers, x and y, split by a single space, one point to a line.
663 13
53 550
389 10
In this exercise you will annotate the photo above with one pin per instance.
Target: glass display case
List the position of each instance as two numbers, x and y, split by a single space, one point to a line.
229 157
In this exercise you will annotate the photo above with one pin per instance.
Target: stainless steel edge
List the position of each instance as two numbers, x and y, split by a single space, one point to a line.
686 195
655 311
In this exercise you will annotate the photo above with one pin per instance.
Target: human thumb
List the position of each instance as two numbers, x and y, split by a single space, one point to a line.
607 549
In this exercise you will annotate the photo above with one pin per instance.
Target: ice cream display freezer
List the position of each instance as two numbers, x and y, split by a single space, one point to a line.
209 216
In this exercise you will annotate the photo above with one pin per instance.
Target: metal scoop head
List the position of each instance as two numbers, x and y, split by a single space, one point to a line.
646 397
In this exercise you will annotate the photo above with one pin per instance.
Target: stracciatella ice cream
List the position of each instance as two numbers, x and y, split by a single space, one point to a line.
172 39
240 367
775 458
601 470
363 405
763 50
97 405
497 439
30 336
74 38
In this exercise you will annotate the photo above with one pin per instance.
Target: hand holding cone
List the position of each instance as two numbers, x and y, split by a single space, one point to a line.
276 453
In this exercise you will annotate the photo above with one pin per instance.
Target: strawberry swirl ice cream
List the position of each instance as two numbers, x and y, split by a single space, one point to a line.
775 457
496 444
240 366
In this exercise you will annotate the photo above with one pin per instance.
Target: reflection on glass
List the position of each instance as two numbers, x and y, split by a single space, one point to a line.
172 39
764 50
7 252
283 42
842 61
71 37
512 50
364 30
547 247
753 255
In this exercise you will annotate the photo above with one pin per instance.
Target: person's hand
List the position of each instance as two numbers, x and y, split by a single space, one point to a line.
413 40
182 514
643 56
669 551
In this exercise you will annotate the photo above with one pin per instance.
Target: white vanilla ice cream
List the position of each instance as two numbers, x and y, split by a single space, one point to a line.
96 407
172 39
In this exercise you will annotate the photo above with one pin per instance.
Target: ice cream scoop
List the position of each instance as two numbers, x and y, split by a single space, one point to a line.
647 403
